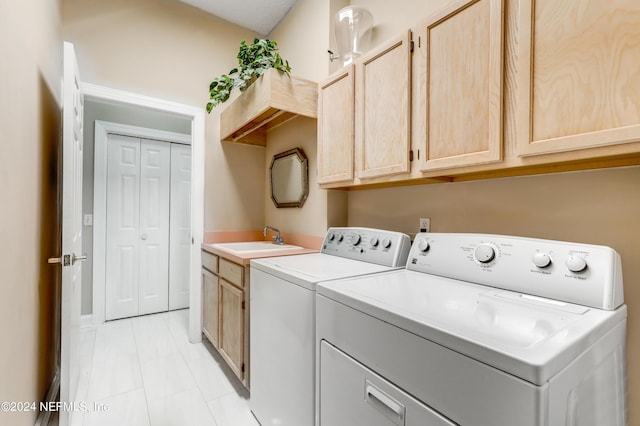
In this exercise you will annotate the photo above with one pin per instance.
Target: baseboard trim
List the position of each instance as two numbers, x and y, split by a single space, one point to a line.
52 396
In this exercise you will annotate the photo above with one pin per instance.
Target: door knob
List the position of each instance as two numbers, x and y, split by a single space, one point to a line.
75 258
143 236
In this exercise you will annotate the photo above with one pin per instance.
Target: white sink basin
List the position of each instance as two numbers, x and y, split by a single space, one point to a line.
261 246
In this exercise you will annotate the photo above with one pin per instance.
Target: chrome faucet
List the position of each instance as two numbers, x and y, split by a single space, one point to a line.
277 239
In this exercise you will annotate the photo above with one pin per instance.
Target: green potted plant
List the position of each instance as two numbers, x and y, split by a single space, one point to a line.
253 61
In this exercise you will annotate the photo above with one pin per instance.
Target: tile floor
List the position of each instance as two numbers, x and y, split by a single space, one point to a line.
147 372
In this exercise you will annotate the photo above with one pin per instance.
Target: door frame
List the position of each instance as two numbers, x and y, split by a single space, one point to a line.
196 114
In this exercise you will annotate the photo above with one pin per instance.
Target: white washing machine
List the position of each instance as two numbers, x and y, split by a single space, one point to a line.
479 330
282 316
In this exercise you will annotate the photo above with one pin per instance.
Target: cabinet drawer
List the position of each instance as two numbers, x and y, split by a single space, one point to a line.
210 261
352 394
231 272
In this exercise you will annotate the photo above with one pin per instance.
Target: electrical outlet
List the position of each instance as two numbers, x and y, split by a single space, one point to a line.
425 224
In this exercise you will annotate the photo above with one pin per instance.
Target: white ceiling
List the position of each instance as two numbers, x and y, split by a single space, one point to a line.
260 16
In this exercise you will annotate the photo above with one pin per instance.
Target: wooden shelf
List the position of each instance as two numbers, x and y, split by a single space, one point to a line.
271 100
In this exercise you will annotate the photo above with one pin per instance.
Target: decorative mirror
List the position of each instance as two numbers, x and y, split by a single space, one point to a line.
290 178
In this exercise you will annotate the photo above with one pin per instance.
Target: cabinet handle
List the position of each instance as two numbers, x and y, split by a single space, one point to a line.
388 406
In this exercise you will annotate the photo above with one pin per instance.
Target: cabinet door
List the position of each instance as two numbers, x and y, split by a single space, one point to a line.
335 127
232 326
383 109
460 85
578 84
210 307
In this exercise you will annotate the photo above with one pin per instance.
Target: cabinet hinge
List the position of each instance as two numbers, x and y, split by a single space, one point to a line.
243 304
242 367
419 42
418 154
411 155
411 46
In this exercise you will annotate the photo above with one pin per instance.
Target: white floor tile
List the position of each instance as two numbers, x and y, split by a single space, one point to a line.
232 410
148 373
210 377
114 338
190 351
185 408
113 376
178 320
153 339
166 376
125 409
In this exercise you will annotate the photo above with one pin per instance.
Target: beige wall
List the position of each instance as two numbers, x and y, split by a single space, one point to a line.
322 208
168 50
303 38
30 118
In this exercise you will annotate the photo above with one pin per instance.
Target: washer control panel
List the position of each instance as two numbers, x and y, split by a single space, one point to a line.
577 273
378 246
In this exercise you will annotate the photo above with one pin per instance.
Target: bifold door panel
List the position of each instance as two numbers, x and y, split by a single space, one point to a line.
138 226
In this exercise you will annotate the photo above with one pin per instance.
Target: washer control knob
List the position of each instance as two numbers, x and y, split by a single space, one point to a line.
340 238
332 236
386 243
423 245
355 240
484 253
374 242
576 263
541 260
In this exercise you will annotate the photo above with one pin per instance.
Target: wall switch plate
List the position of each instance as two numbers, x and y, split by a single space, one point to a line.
425 224
87 220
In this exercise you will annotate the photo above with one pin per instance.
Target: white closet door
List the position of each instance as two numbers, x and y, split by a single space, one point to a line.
123 212
155 161
180 227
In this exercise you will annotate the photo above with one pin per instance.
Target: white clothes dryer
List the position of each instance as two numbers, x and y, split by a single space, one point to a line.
282 316
478 330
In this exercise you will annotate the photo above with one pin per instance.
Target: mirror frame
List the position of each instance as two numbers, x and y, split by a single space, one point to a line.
304 163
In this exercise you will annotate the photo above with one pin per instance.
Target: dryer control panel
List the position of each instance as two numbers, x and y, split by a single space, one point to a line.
585 274
378 246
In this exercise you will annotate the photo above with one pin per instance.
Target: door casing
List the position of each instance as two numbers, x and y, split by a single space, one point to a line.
105 94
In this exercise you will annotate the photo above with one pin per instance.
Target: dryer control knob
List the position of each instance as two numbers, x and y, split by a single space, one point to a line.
576 263
332 236
423 245
340 238
484 253
541 260
386 243
374 242
355 240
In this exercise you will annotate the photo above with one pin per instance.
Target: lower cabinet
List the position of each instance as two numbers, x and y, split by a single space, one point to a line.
210 311
224 321
231 309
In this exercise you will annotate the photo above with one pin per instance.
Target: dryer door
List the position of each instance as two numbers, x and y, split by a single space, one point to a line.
351 394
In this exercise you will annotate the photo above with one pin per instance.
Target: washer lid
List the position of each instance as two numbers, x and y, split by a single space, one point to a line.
530 337
308 269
